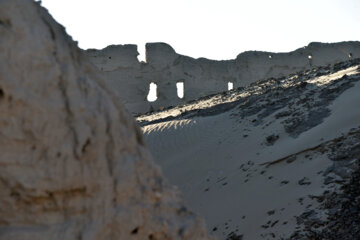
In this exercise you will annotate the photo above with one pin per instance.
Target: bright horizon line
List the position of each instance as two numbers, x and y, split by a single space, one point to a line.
142 50
212 29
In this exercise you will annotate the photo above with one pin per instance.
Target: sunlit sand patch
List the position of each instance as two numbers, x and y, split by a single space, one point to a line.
175 124
324 80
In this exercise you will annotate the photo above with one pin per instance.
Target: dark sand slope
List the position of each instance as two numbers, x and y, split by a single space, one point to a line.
275 160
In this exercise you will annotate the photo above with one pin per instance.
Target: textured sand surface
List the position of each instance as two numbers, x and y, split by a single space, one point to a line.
263 162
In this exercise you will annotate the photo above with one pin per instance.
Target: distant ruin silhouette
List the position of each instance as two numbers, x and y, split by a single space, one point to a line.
130 79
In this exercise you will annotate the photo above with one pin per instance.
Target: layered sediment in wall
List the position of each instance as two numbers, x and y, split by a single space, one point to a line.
130 79
73 163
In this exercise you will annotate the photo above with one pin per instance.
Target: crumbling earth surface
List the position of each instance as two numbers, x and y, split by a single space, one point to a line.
73 163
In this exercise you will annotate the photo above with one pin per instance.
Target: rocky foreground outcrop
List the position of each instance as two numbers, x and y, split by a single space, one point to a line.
73 164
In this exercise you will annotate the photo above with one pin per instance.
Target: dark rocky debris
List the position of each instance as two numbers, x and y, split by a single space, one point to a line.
342 207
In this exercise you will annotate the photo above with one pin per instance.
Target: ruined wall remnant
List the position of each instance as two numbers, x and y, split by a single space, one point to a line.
73 164
130 79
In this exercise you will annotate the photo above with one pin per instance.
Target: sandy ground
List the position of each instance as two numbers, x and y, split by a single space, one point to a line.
254 162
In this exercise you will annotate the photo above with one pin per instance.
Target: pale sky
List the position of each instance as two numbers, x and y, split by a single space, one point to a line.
215 29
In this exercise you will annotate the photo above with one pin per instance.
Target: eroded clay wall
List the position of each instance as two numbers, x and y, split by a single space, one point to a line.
130 79
73 162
